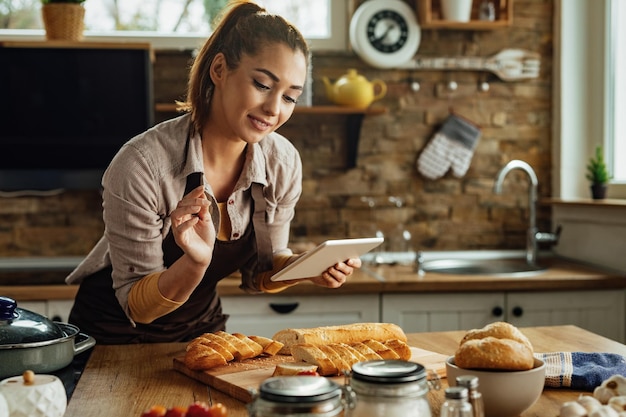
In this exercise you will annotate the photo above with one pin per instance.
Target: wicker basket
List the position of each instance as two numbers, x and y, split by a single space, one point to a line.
63 21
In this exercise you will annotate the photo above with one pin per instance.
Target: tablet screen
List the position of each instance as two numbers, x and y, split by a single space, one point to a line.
327 254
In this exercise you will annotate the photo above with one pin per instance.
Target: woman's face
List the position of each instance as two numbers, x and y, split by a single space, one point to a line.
258 96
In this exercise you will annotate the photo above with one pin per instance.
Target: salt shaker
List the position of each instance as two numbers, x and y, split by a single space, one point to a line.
475 397
456 403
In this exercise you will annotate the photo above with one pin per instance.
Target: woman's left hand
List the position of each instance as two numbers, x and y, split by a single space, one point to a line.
337 275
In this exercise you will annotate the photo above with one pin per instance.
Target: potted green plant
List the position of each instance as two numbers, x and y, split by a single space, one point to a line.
598 174
63 19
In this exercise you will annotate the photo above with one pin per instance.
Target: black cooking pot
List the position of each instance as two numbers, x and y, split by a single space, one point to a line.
31 341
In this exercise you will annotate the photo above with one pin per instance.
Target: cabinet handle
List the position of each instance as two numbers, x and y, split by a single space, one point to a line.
497 311
284 308
518 311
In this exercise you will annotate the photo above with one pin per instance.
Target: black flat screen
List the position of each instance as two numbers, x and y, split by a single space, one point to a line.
65 111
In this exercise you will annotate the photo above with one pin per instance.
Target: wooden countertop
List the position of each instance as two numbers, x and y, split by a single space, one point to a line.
561 275
126 380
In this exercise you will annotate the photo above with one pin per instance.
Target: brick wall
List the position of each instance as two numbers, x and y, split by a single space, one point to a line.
449 213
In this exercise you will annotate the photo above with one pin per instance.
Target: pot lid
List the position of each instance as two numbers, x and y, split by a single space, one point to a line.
19 326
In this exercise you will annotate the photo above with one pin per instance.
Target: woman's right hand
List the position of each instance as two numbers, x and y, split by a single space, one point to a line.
193 227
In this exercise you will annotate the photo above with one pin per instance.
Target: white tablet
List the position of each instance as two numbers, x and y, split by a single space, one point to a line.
329 253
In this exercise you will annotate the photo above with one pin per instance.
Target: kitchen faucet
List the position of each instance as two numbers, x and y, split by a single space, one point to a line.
533 236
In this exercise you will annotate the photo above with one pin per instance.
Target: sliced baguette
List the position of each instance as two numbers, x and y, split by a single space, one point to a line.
200 357
243 351
366 351
270 347
254 346
294 368
346 352
221 340
314 355
335 358
384 351
402 349
349 333
213 344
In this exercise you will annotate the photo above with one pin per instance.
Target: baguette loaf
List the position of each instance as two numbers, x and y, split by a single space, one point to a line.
349 333
342 356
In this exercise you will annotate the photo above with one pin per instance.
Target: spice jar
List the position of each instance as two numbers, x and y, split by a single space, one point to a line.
390 388
474 396
456 403
297 396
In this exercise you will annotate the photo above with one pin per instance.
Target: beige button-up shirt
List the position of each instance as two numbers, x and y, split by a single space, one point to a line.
146 180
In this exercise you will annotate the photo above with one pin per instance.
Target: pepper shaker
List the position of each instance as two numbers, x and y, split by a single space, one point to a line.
456 403
475 397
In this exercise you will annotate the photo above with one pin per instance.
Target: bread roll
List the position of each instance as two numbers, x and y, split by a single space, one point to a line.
349 333
497 346
499 330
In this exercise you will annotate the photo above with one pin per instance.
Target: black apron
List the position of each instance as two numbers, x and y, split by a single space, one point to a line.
97 312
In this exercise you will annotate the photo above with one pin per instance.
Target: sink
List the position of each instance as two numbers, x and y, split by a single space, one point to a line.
506 267
506 263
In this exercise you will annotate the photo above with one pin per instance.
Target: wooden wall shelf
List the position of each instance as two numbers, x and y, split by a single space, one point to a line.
430 17
353 122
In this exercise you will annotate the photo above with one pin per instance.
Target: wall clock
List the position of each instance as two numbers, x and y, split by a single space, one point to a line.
384 33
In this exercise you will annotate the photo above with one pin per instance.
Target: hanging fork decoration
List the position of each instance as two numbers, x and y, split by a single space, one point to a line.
508 64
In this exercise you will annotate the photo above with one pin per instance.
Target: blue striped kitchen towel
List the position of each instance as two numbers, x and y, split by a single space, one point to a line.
580 370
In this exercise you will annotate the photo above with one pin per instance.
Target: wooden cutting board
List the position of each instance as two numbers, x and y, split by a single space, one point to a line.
239 379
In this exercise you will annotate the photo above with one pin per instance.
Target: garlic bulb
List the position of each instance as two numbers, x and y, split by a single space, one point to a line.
618 403
572 409
604 411
603 394
611 387
589 402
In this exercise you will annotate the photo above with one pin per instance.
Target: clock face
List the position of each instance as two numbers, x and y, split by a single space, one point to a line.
384 33
387 31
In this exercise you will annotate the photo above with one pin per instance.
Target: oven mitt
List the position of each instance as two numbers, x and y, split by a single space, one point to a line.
580 370
452 146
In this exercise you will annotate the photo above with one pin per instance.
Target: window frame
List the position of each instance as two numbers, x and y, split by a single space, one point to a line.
611 73
161 41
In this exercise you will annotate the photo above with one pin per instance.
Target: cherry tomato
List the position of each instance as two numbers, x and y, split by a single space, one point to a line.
176 412
312 373
198 409
218 410
155 411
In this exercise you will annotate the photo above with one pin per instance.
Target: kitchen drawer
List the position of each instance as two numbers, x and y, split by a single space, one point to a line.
264 315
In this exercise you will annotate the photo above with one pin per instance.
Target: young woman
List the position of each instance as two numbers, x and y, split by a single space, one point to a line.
196 198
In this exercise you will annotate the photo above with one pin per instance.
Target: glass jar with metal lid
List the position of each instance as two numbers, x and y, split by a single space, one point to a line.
391 388
298 396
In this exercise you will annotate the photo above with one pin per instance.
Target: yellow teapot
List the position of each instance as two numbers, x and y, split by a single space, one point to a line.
354 90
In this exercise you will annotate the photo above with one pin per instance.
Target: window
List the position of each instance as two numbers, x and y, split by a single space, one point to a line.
177 24
616 92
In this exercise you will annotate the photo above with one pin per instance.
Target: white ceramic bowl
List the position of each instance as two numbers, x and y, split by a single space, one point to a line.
505 393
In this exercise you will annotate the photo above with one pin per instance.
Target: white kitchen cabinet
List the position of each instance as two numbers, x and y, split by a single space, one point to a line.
428 312
57 310
601 312
264 315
